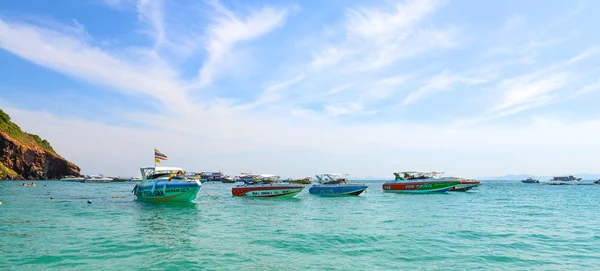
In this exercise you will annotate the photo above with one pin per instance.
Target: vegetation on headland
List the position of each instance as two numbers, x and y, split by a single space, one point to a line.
25 138
7 172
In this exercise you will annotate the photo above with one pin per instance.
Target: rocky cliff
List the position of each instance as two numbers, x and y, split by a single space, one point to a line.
27 156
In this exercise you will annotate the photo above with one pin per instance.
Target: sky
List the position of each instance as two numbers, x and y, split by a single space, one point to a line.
298 88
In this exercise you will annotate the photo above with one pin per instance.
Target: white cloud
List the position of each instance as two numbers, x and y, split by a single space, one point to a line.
595 86
388 35
440 82
344 109
381 25
329 57
228 29
151 12
273 92
374 37
72 56
527 91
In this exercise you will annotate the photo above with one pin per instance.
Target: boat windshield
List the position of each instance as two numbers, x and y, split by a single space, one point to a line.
332 178
416 175
161 172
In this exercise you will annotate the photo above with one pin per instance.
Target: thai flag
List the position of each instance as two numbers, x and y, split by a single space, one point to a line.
159 155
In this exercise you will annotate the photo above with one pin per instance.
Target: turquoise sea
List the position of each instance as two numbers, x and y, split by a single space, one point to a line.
501 225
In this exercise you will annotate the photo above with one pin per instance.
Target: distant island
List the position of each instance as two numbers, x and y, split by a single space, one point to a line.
516 177
25 156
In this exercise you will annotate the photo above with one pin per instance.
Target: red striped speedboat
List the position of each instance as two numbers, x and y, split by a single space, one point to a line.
266 186
419 182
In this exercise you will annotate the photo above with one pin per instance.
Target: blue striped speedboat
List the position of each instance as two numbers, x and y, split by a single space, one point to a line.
335 184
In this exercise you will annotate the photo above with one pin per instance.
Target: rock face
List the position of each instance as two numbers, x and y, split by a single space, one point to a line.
32 162
27 156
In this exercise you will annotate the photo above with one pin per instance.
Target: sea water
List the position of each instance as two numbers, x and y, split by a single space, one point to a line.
498 226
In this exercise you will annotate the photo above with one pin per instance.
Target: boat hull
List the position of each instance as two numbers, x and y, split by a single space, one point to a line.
337 190
78 180
418 187
96 181
267 191
164 191
530 181
465 186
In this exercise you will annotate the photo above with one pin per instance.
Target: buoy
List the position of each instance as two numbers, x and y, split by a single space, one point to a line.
89 201
0 203
114 197
51 197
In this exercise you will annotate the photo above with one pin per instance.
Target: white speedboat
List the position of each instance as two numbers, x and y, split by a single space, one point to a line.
96 179
71 178
166 184
564 180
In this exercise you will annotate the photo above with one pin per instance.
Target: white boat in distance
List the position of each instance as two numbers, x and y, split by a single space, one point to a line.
96 179
71 178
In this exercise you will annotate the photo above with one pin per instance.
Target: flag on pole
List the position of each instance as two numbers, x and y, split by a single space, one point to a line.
156 160
159 156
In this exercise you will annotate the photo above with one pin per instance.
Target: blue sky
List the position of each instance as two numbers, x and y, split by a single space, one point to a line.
297 88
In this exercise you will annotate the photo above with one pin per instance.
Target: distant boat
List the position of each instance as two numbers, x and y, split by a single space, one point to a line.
96 179
165 184
530 180
120 180
71 178
215 176
565 178
227 179
419 182
336 185
265 186
135 179
307 180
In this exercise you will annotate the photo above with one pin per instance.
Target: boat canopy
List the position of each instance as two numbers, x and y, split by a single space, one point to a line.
148 172
332 178
259 178
409 175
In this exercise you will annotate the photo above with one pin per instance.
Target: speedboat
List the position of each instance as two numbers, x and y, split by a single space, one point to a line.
135 179
120 180
265 186
420 182
165 184
564 180
71 178
227 179
530 180
464 185
336 185
96 179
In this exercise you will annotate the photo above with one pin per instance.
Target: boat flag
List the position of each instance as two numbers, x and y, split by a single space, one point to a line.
159 155
156 160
